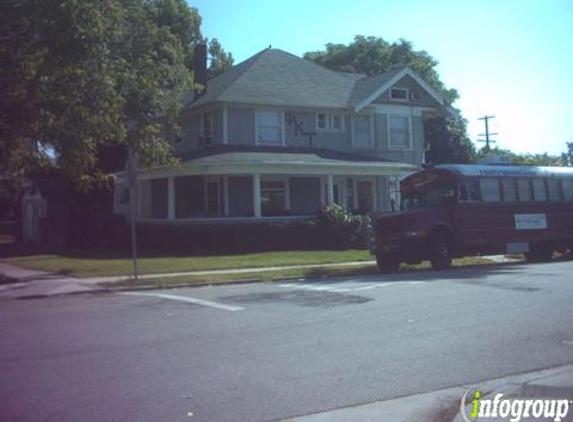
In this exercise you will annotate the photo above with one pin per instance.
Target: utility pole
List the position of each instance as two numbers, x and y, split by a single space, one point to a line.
487 135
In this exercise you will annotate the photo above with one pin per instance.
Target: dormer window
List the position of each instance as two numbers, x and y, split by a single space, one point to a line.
399 94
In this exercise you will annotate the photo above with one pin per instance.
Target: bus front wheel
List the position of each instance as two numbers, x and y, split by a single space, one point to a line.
440 252
387 263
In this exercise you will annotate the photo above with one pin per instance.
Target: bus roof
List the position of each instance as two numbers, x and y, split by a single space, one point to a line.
507 171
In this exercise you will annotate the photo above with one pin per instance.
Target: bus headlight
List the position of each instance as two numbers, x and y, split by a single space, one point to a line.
416 233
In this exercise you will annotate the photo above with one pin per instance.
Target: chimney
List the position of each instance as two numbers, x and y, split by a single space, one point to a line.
200 68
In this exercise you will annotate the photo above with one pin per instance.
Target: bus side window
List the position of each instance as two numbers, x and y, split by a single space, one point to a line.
567 189
524 190
489 188
539 193
509 190
473 192
463 193
554 188
469 192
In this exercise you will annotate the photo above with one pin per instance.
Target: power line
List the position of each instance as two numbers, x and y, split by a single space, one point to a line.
487 135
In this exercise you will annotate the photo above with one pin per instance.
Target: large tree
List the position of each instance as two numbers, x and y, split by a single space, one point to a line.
76 74
369 55
220 60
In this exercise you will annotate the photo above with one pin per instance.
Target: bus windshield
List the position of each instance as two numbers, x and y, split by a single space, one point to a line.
437 196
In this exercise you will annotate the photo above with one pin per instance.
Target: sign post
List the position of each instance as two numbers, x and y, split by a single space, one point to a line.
132 180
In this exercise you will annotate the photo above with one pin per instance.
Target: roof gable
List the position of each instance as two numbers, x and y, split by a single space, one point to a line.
386 83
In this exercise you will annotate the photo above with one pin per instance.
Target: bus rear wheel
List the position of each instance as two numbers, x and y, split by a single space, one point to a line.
440 252
387 263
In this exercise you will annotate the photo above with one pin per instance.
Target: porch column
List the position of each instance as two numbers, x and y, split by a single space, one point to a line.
257 195
330 189
170 198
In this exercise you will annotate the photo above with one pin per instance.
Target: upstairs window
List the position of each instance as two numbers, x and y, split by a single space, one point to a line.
337 121
207 125
362 132
399 94
206 138
322 121
269 127
330 122
400 137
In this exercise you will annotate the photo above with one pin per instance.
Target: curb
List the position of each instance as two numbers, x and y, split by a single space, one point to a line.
104 289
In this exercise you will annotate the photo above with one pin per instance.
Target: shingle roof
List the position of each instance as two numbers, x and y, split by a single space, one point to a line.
275 77
320 152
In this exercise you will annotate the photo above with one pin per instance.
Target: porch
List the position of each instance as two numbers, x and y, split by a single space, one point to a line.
260 186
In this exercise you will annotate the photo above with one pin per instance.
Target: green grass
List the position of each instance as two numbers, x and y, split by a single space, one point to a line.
306 273
82 264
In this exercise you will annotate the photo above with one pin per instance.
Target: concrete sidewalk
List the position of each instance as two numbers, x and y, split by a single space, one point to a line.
30 283
444 405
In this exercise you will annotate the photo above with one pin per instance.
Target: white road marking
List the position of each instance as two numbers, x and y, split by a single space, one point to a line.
188 300
364 288
342 287
417 282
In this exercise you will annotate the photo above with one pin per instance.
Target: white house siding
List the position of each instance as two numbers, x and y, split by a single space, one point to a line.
241 126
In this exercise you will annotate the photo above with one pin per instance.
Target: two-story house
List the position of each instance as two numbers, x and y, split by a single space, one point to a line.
277 137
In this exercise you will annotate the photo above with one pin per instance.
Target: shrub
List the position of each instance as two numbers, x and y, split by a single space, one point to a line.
337 228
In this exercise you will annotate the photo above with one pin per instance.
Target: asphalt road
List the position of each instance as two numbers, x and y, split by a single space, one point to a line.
264 352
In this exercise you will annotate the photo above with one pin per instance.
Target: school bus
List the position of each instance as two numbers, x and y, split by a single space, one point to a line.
459 210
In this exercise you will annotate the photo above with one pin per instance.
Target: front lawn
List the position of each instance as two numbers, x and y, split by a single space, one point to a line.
84 264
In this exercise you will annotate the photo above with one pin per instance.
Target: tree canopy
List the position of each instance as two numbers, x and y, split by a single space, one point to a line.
77 74
527 159
369 55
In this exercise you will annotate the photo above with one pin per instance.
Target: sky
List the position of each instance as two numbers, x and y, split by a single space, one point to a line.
507 58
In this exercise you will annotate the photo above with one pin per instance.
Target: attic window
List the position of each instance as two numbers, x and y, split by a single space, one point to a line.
399 94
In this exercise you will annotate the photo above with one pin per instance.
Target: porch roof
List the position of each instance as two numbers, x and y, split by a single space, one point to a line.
275 160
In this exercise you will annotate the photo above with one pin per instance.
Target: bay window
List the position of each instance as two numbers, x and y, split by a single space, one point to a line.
269 127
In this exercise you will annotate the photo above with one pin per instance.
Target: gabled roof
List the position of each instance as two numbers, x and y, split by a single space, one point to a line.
273 77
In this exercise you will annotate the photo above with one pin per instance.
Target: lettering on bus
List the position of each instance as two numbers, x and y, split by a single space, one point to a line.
530 221
508 172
